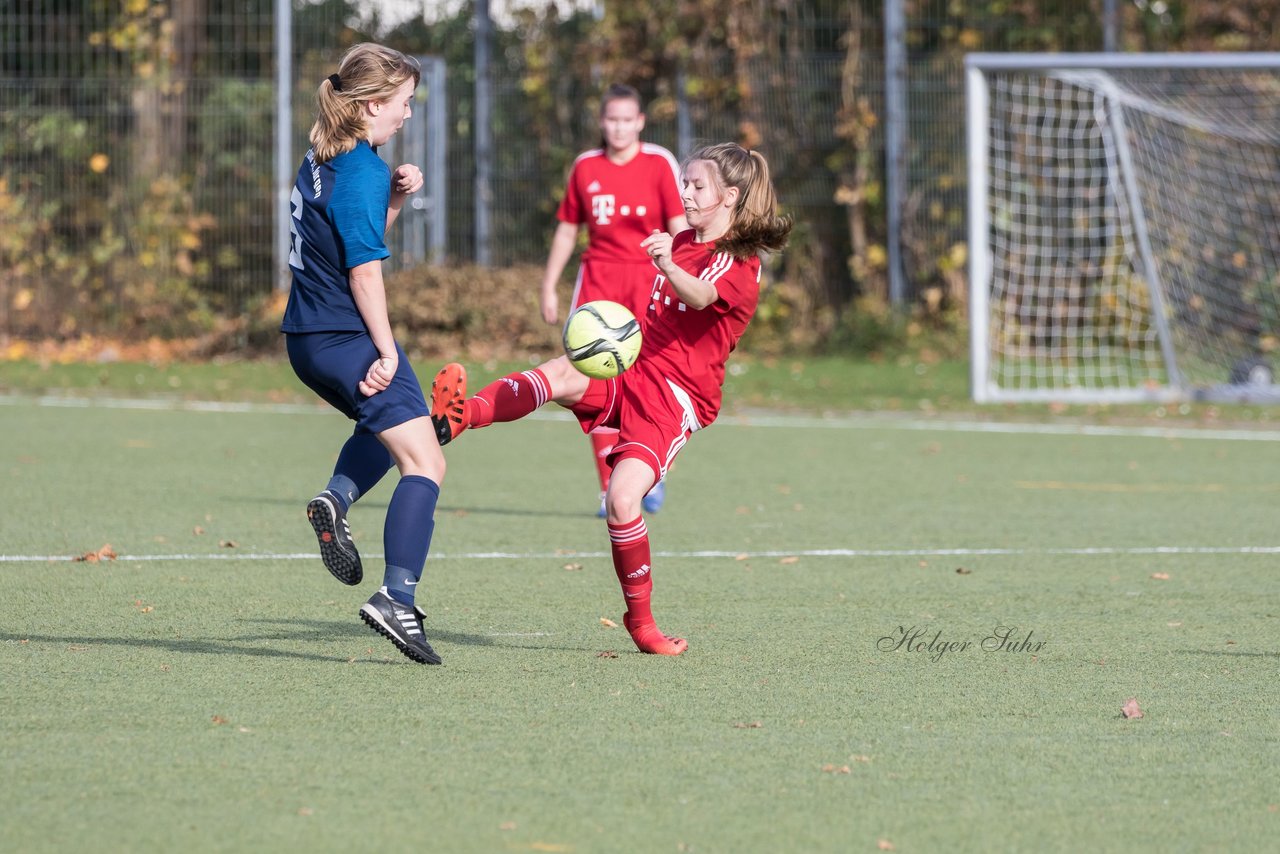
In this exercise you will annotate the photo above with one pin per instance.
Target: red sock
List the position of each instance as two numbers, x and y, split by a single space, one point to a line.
508 399
602 441
630 542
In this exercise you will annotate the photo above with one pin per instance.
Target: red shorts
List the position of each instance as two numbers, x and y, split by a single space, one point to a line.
652 420
628 283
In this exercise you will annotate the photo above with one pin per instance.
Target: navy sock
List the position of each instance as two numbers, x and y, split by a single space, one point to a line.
361 464
406 537
344 489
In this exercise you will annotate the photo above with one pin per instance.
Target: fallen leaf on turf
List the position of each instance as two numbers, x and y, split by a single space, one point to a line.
573 567
792 559
146 609
607 623
304 811
746 725
228 544
836 769
104 553
197 530
75 647
860 758
245 729
884 845
219 720
960 570
608 653
1131 709
507 825
923 564
1160 576
743 556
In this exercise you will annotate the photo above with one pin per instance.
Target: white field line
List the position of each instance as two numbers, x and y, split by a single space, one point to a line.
856 421
709 553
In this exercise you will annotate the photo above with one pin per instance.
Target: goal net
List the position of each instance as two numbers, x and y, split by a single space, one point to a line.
1124 226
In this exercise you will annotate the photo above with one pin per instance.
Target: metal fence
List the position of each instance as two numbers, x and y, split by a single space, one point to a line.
136 145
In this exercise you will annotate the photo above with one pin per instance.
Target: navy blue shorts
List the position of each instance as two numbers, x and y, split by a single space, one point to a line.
332 364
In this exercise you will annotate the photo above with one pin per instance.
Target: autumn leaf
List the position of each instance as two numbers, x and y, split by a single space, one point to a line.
219 720
884 845
746 725
836 769
608 653
607 623
788 560
228 544
1160 576
572 567
1131 709
960 570
104 553
742 556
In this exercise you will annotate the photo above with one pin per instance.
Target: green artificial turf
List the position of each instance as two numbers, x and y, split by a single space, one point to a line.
213 690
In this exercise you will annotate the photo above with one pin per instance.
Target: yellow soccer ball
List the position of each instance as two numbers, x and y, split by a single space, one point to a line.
602 339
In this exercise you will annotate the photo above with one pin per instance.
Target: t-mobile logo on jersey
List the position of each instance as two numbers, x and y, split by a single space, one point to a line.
659 299
602 207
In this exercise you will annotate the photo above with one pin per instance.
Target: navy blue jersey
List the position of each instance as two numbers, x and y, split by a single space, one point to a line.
339 217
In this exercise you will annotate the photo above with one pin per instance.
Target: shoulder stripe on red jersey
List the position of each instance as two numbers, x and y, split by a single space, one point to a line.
720 264
659 151
587 155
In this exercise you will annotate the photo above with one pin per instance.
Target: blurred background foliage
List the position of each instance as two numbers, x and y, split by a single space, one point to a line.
136 146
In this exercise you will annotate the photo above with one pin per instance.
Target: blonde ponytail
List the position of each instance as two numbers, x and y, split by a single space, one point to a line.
366 72
755 226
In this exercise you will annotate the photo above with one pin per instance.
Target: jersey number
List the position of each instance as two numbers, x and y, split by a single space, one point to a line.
295 239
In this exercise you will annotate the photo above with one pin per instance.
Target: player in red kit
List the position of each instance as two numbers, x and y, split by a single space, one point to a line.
620 193
704 292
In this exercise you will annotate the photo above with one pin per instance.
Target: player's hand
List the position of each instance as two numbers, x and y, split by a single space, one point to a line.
658 246
551 308
406 179
378 377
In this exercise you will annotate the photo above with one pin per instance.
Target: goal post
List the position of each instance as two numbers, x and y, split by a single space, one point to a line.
1124 226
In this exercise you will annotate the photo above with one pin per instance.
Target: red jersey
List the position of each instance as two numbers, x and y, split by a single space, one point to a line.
621 205
686 349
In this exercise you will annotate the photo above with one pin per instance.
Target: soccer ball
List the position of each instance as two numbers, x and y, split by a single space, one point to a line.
602 339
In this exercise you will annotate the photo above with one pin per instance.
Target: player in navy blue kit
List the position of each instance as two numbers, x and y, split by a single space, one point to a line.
339 337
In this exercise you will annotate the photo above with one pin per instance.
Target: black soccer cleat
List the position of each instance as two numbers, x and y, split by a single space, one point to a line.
337 549
400 624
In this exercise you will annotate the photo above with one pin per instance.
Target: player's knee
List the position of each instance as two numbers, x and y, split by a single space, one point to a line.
563 377
621 507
